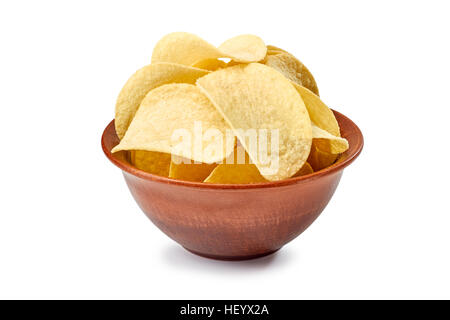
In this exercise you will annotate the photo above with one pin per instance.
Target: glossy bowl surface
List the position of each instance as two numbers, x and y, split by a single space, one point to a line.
233 222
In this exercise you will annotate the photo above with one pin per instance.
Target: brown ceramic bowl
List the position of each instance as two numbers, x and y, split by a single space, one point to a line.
233 222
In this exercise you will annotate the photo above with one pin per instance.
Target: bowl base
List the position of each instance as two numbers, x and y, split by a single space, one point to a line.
231 258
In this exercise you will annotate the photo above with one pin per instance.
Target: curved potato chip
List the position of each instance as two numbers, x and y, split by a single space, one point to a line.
292 69
186 48
175 111
319 159
233 63
144 80
190 171
320 114
236 169
244 48
236 174
210 64
306 169
151 162
326 142
272 50
256 97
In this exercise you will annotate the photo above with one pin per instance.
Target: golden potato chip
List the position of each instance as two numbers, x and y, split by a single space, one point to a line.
306 169
144 80
256 97
237 169
235 173
238 156
272 50
233 63
190 171
151 162
244 48
292 69
210 64
173 112
320 114
188 49
326 142
319 159
184 48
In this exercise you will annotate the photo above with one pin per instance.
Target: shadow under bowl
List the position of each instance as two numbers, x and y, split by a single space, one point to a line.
234 222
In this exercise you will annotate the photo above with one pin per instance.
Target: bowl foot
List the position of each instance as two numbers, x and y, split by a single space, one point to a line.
231 258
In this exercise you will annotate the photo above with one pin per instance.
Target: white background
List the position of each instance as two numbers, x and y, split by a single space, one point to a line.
69 227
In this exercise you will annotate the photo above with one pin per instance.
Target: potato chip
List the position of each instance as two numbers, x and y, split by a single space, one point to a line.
319 159
235 173
272 50
184 48
320 114
233 63
244 48
151 162
210 64
256 97
142 82
238 156
292 69
190 171
178 110
188 49
237 168
326 142
306 169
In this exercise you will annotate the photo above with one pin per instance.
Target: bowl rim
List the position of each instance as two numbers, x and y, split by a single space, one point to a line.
337 166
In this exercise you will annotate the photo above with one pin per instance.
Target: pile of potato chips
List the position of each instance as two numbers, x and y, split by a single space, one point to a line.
193 86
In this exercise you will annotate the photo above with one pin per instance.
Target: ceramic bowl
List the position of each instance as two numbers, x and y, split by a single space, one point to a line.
233 222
